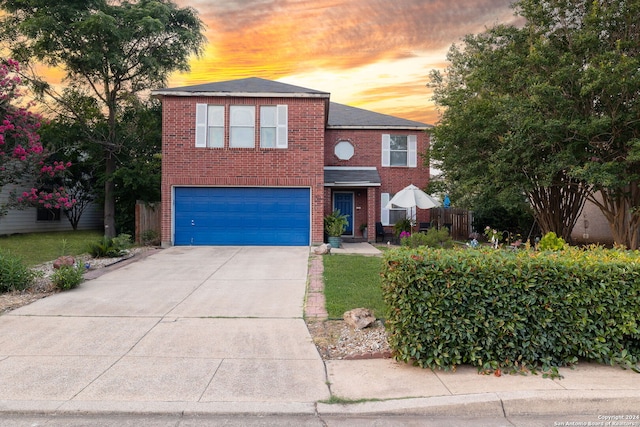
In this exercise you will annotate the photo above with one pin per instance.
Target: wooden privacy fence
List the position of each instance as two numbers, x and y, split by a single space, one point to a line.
458 221
148 217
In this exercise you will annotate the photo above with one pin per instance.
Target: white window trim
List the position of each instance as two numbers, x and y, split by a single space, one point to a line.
282 126
201 125
412 151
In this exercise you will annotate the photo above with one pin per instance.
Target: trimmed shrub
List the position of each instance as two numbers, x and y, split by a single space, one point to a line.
68 277
14 275
433 238
521 311
551 242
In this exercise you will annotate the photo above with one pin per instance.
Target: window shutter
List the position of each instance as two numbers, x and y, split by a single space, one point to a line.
412 151
384 212
386 150
282 131
201 125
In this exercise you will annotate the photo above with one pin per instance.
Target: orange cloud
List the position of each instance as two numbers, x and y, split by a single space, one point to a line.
330 44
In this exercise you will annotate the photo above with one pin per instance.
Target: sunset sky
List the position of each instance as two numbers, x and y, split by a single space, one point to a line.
372 54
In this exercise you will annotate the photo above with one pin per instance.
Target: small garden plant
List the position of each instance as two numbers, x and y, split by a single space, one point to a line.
14 275
110 247
551 242
68 277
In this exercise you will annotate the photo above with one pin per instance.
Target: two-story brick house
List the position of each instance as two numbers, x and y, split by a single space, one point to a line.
259 162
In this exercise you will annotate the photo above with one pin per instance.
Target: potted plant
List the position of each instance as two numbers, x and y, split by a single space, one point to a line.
402 225
334 226
363 230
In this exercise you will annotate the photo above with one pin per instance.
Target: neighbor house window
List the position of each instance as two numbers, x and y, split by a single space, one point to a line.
274 126
393 214
44 214
399 150
242 126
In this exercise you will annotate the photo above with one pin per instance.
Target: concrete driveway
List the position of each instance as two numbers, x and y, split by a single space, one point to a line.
187 330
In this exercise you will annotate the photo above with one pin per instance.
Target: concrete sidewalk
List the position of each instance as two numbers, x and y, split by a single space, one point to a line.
220 330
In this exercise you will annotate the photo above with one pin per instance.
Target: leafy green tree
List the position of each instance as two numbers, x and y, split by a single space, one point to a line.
139 175
534 110
496 139
608 46
109 51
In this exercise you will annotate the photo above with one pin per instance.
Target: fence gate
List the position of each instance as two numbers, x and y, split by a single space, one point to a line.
458 221
148 222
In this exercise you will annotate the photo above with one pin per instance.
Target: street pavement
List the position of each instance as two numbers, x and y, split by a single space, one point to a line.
191 333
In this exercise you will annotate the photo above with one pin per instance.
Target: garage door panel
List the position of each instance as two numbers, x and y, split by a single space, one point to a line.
242 216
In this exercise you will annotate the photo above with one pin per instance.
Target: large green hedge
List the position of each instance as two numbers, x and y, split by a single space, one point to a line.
522 311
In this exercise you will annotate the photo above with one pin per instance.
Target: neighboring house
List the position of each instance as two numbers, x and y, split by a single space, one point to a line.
592 226
259 162
33 220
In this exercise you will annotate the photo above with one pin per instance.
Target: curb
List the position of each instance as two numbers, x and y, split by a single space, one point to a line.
500 404
94 274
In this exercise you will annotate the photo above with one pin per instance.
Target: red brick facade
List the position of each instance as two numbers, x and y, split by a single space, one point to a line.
300 165
310 148
368 152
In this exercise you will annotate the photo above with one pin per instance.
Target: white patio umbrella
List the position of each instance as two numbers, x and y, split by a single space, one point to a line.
412 197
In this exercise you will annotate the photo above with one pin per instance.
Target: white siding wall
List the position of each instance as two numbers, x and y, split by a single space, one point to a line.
25 221
592 226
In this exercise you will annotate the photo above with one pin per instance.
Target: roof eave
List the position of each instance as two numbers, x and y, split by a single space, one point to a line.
240 94
352 184
378 127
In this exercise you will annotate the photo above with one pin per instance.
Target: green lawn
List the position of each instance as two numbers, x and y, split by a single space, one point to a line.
36 248
352 281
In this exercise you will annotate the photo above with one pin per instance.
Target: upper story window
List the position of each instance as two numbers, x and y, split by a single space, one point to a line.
274 126
211 131
242 129
215 126
399 150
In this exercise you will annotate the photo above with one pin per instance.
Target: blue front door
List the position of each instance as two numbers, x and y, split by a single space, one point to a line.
344 203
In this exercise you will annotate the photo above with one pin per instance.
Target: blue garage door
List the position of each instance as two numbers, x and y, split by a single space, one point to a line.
242 216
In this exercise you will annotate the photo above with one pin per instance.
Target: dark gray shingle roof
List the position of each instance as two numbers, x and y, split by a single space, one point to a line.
351 176
340 116
344 116
250 86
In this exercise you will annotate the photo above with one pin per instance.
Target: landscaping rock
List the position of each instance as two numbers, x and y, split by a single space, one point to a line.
64 260
323 249
359 318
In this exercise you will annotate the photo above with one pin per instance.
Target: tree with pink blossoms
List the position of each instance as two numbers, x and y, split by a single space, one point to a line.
23 159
